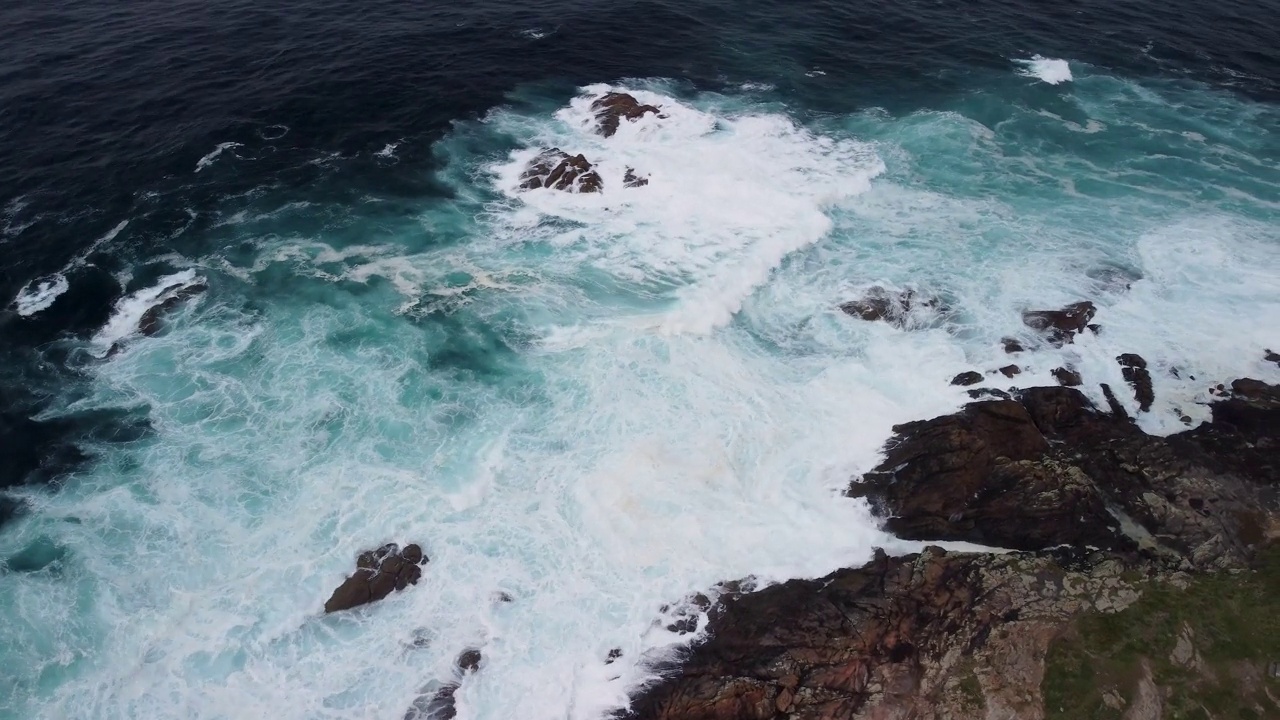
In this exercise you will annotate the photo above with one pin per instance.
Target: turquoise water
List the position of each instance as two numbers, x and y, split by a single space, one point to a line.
597 404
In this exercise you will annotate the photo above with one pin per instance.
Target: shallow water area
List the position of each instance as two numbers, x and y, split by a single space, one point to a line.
586 407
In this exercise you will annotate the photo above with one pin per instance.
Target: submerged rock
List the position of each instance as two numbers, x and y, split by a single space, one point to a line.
1010 370
378 573
892 306
1011 345
631 180
971 377
1061 326
559 170
150 324
612 108
1067 377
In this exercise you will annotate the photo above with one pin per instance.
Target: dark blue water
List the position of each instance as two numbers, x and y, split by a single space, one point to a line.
394 344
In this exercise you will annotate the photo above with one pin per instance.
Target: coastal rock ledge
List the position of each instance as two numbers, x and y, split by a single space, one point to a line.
1143 579
378 573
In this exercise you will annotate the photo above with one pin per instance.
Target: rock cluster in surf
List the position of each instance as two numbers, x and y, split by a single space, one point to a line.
558 170
1098 514
378 573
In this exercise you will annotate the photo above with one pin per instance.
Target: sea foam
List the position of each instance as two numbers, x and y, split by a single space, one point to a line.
1049 70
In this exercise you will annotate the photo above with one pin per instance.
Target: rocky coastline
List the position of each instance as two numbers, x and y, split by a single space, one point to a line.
1137 577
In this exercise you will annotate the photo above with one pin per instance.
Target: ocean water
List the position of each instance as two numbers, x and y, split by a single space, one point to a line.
590 405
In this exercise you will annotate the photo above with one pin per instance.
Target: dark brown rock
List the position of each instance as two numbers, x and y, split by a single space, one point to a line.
378 573
1061 326
1011 345
559 170
1067 377
1272 357
612 108
631 180
892 306
971 377
1010 370
1136 374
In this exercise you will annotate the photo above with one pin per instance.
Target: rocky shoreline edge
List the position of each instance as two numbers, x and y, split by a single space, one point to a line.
1139 578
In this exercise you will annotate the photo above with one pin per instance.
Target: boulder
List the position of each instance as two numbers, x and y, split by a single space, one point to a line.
612 108
378 573
1273 357
1061 326
559 170
972 377
1010 370
1134 369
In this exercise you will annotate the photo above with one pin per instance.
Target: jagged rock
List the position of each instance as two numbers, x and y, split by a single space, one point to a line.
1011 345
1116 408
1010 370
631 180
559 170
1272 357
378 573
972 377
943 636
892 306
878 641
614 107
1067 377
1134 369
1061 326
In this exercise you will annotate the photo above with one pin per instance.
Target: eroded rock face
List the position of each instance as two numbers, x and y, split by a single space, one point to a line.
612 108
892 306
1061 326
893 639
558 170
378 573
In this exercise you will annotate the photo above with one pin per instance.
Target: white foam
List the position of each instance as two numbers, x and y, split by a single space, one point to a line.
730 196
208 159
129 310
388 150
1049 70
31 300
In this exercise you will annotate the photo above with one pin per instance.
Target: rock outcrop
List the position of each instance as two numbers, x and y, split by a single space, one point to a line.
378 573
558 170
1061 326
612 108
1100 515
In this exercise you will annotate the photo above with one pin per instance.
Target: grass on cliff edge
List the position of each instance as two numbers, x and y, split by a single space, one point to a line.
1235 619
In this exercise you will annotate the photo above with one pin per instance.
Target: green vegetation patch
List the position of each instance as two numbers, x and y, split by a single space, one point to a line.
1226 628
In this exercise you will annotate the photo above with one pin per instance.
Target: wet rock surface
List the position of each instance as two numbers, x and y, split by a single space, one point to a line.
971 377
1061 326
612 108
558 170
1134 368
152 320
895 307
378 574
1097 512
